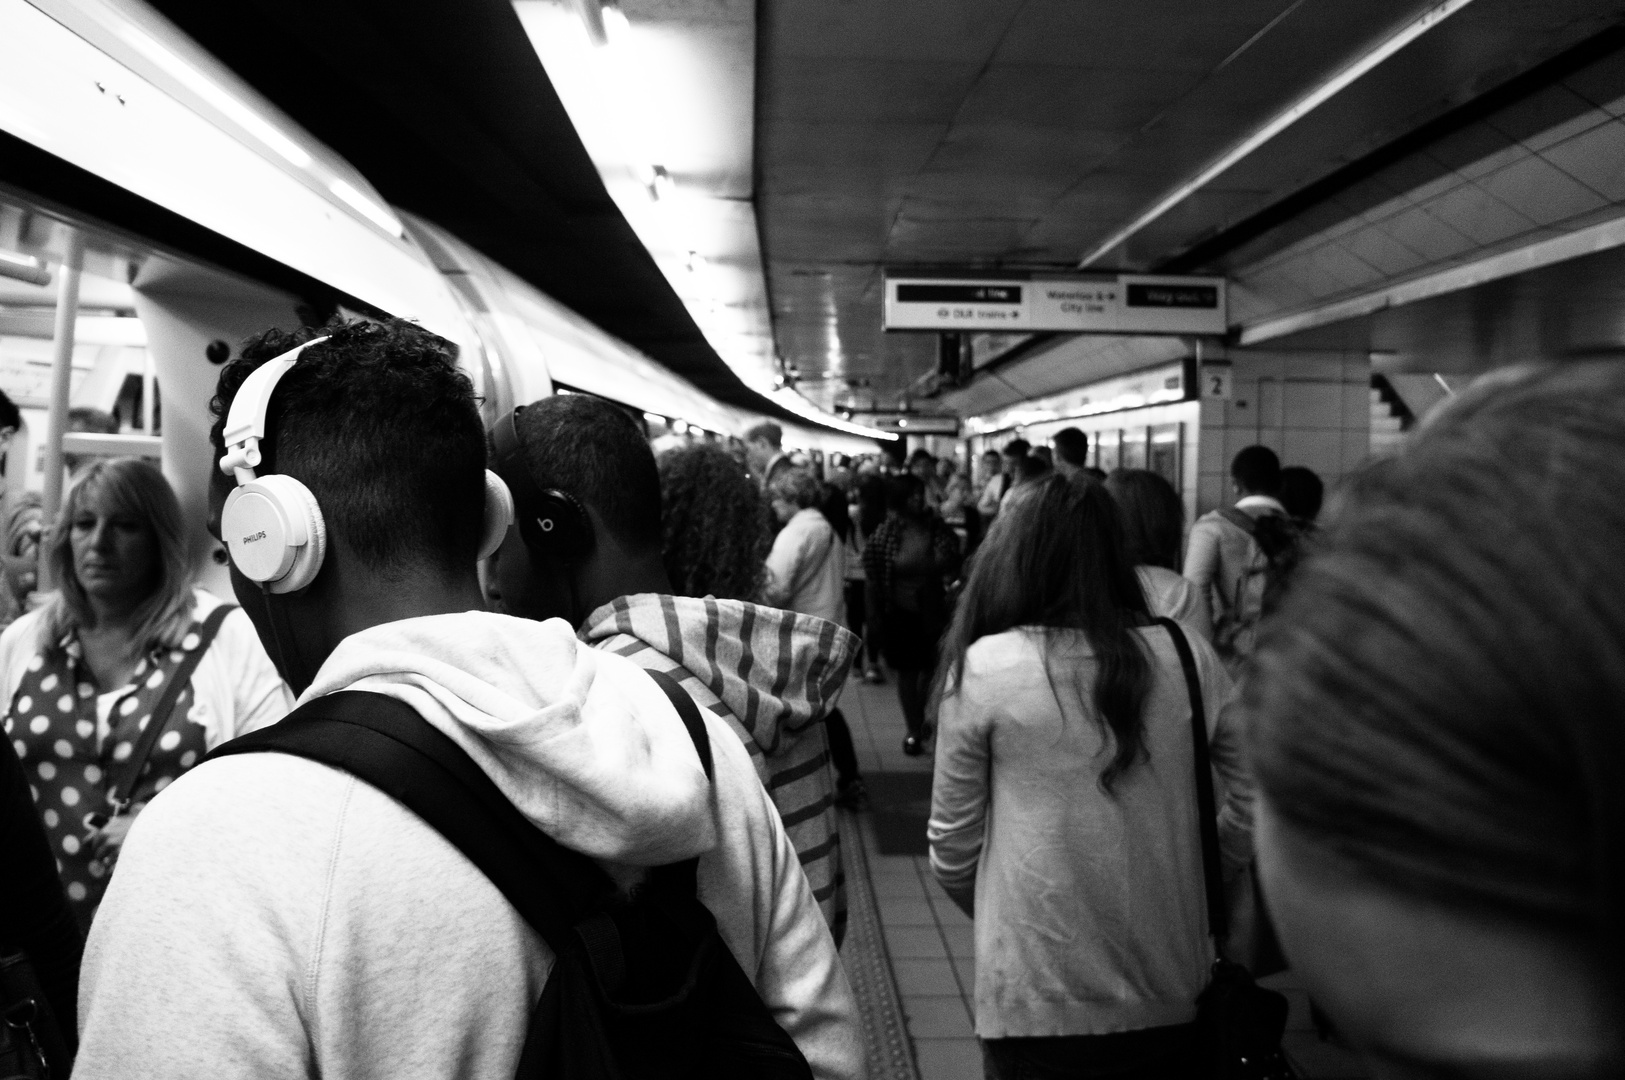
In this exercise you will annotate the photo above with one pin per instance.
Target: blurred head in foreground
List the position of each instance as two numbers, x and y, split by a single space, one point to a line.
1438 725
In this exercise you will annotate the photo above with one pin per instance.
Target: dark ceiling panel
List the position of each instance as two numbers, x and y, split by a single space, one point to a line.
1079 117
446 109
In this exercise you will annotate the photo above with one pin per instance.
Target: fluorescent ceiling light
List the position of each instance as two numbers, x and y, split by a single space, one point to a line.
1311 101
367 208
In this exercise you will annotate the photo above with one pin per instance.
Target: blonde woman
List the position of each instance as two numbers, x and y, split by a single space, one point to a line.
90 672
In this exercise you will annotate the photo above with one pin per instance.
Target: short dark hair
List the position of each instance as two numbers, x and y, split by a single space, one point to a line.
1153 516
1302 492
767 431
1017 448
798 487
1257 469
922 454
589 448
1071 446
1033 467
382 427
10 417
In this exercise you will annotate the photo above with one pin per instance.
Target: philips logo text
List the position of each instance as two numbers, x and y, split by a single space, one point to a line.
257 536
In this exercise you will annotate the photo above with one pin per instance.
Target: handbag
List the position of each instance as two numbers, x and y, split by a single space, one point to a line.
1240 1023
31 1043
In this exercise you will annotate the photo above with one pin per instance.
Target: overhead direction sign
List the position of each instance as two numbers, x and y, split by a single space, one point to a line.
1119 304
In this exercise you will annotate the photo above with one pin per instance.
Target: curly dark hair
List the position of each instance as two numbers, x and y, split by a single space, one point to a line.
383 428
716 537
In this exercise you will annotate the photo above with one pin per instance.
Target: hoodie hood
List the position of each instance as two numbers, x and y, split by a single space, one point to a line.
582 742
778 672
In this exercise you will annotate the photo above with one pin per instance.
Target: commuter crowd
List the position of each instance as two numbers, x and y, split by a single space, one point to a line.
519 752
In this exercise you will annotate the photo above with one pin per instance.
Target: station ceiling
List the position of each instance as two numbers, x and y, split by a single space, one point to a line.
1022 134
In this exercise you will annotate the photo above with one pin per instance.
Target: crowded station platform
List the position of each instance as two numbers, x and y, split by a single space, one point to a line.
790 539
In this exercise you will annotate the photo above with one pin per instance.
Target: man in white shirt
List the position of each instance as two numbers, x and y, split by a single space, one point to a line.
1224 560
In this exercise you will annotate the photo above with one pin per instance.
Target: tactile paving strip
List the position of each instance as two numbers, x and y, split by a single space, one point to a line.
869 969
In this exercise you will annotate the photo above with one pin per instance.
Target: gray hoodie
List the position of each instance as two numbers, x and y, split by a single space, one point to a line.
275 917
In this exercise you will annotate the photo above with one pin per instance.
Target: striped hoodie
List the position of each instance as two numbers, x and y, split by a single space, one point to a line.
773 676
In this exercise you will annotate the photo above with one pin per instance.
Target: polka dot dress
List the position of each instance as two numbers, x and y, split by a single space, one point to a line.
52 725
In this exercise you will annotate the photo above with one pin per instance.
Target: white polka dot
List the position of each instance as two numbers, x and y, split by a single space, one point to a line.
65 702
127 706
122 751
141 725
52 819
176 657
77 891
93 774
97 868
85 729
25 703
36 663
47 771
49 682
86 690
169 740
70 796
190 641
34 791
188 759
40 725
156 680
163 782
21 747
70 844
63 748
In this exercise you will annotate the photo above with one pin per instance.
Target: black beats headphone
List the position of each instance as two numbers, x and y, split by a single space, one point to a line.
551 522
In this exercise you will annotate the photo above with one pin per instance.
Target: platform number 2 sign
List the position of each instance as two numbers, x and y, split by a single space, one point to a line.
1216 381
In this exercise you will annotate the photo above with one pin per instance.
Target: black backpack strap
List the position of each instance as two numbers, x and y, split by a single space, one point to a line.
690 714
385 743
1206 808
130 774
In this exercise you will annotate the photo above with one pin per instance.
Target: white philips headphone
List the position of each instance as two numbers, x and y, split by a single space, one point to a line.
272 525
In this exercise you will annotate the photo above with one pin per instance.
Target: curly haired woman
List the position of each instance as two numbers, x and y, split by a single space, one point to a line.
715 524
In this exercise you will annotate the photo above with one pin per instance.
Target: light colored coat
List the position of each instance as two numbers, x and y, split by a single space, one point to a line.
806 570
1090 912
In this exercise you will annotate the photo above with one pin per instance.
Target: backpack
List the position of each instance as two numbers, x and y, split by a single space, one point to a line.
1276 549
643 986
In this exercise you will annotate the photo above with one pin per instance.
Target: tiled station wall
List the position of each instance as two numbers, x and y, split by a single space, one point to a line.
1311 408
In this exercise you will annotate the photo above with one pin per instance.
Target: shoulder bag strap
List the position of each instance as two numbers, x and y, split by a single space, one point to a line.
1206 809
124 785
1241 519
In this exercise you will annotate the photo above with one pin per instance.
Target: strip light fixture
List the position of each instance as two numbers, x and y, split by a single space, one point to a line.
1311 101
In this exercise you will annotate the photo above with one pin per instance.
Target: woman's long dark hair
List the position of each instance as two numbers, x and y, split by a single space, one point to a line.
1054 561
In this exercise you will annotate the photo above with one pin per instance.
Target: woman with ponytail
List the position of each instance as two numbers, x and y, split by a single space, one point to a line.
1063 705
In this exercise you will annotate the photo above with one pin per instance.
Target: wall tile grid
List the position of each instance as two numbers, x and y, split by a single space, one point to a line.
1312 409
